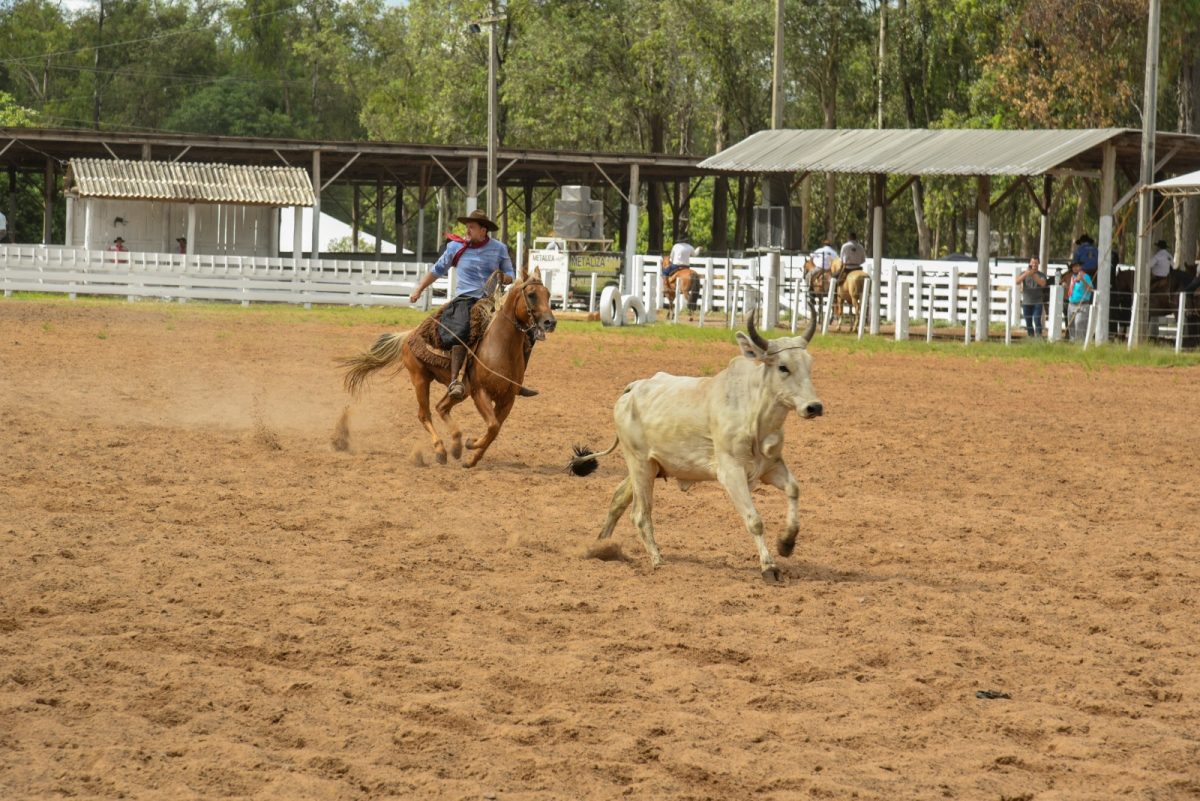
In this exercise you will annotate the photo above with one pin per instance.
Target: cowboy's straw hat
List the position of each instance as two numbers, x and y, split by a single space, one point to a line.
480 217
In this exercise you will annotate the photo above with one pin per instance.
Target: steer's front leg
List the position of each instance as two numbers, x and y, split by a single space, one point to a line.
779 476
733 478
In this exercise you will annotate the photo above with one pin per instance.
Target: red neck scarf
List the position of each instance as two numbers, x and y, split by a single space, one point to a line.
466 243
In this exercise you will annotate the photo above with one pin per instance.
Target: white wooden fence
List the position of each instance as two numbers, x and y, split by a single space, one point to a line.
739 282
248 279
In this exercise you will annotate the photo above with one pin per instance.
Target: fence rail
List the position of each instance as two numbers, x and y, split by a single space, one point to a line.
729 283
248 279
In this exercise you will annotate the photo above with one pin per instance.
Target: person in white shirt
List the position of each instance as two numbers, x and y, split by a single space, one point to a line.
854 255
1161 262
822 257
679 259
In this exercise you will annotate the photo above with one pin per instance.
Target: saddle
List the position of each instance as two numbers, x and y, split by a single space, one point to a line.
425 341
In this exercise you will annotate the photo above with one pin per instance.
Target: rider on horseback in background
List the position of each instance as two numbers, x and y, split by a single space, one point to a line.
679 259
822 257
853 255
476 257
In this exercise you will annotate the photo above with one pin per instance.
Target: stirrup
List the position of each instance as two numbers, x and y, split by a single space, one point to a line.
526 392
456 390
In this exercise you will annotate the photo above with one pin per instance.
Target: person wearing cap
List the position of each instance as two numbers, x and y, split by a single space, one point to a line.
1079 298
181 241
1161 262
1086 254
476 257
118 246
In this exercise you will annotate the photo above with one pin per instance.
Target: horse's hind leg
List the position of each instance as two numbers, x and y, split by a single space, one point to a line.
420 382
494 418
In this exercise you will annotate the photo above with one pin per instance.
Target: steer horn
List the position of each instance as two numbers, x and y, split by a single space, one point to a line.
812 321
755 337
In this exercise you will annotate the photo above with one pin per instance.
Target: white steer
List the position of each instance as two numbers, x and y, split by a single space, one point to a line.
728 427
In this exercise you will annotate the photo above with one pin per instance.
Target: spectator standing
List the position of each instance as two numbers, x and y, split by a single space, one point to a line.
1033 284
1079 300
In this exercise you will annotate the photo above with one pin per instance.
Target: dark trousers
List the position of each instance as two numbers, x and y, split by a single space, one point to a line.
455 328
1033 318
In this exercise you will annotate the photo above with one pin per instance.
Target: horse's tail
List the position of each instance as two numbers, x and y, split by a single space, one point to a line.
584 462
693 293
385 351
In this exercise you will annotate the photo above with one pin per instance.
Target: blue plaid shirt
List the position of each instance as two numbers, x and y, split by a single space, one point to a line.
475 265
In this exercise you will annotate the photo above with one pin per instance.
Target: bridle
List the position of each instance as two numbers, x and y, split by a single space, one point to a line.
533 323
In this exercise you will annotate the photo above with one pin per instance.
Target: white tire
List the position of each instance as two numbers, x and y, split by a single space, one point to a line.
633 304
610 306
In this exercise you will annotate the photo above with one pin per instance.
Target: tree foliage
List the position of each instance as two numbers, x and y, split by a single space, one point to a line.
677 76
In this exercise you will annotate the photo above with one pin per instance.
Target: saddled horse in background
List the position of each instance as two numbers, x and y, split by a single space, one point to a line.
687 283
492 376
818 286
1164 297
850 285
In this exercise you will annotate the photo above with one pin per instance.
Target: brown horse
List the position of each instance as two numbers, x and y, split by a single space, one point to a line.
493 374
687 283
849 289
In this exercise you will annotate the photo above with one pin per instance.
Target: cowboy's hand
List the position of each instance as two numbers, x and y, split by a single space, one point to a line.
415 296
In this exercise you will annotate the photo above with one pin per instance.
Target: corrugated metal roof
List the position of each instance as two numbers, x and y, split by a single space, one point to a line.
188 182
1179 185
908 151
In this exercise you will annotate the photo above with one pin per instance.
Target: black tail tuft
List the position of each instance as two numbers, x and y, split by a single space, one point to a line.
582 463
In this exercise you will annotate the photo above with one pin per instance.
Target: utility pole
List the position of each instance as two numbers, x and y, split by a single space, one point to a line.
493 144
777 77
96 75
882 38
490 191
1141 274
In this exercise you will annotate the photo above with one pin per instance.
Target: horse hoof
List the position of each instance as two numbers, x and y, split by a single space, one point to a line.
441 457
771 575
786 547
456 450
470 443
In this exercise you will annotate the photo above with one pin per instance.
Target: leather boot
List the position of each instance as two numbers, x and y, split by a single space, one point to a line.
458 357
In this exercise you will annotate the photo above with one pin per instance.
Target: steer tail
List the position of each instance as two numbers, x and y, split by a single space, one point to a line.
384 352
585 462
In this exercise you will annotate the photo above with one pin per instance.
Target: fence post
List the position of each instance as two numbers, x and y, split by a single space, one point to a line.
865 306
953 316
1132 316
1008 315
829 300
929 316
1087 333
731 301
1179 321
1054 324
901 294
592 295
970 308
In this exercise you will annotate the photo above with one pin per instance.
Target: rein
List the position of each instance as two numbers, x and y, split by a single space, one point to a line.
516 325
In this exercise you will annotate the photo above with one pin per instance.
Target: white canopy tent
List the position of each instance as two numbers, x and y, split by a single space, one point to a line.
1179 185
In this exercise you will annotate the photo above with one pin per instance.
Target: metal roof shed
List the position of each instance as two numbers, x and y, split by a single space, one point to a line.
230 208
979 153
1180 185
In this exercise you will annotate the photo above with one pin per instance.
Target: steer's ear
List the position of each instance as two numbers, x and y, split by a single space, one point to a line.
750 350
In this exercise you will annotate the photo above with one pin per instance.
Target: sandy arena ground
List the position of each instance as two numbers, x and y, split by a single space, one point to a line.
200 598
